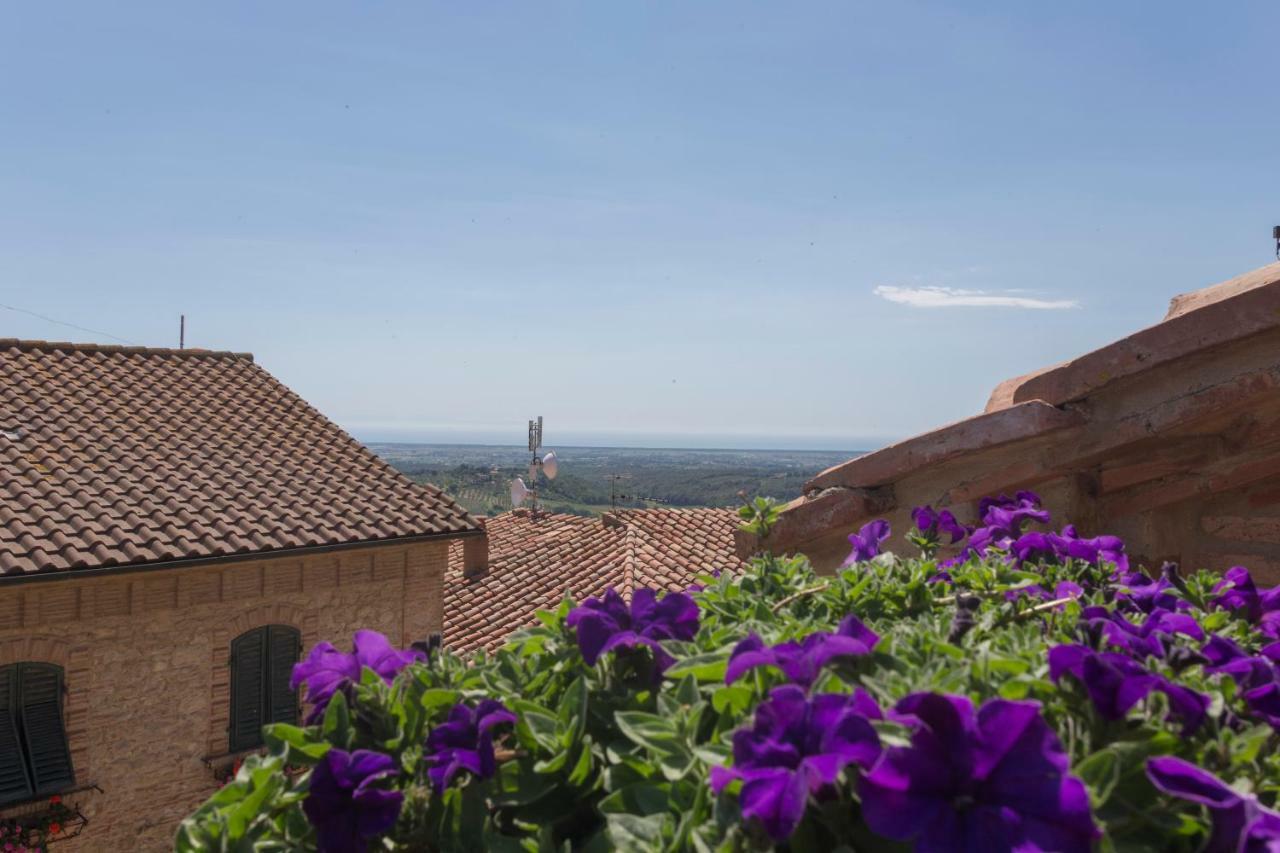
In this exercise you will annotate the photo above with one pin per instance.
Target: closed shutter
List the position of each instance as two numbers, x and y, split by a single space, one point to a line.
15 784
283 646
248 689
40 688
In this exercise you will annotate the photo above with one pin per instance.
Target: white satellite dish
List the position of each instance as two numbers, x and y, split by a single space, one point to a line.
518 492
550 465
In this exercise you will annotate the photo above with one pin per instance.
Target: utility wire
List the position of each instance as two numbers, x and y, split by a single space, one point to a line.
68 325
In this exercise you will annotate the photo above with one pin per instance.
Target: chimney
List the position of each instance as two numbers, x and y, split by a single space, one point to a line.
475 553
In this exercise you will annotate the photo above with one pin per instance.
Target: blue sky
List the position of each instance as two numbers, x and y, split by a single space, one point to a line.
714 223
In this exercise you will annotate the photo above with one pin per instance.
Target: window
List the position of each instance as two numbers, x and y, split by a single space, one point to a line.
34 759
261 662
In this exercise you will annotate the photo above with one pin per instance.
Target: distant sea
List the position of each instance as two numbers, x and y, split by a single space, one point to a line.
552 437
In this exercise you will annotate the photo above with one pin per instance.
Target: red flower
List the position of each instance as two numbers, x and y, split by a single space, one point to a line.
55 799
55 828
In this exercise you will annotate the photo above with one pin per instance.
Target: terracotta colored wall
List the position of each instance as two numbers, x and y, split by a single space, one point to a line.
145 659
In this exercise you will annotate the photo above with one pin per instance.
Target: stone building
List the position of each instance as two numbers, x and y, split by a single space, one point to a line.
175 527
528 561
1169 438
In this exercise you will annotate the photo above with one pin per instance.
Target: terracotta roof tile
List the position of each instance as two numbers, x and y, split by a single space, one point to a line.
535 560
127 455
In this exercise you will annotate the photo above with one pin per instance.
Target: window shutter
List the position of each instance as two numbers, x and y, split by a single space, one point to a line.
283 646
14 782
248 689
40 688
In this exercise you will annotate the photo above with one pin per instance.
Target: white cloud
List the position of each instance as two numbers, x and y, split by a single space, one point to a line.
951 297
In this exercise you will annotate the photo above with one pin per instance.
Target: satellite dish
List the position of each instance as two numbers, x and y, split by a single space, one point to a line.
550 465
518 492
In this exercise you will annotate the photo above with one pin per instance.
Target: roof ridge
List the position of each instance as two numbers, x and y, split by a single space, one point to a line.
32 345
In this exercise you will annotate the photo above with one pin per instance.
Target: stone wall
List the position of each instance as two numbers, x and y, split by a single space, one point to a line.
145 658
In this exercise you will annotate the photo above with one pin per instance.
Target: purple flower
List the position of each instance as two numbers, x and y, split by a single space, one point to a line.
1240 822
867 541
465 742
1099 549
796 747
605 624
996 780
931 522
1237 592
327 670
344 806
1140 640
802 661
1116 682
1007 515
1145 595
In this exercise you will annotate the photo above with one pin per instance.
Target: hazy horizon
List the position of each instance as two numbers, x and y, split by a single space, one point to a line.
618 440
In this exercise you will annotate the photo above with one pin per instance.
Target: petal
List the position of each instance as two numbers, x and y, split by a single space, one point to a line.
748 654
906 792
377 811
851 626
594 630
777 799
1186 781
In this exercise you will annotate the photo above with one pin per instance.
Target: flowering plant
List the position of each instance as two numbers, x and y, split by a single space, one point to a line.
1032 692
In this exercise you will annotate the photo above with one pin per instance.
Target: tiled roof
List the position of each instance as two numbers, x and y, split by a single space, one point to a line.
117 456
535 560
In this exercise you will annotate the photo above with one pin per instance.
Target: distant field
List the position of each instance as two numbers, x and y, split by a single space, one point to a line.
479 476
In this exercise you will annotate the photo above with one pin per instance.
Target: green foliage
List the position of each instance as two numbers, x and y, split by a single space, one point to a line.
602 759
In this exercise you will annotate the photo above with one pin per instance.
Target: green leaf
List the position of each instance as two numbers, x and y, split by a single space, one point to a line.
642 798
707 668
336 727
650 731
635 834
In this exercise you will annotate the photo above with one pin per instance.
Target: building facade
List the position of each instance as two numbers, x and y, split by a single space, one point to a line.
176 528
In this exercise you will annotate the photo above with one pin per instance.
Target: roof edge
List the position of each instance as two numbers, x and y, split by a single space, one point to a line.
24 345
980 432
197 562
1217 315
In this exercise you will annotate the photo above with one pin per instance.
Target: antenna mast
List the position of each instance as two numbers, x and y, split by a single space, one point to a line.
535 444
182 331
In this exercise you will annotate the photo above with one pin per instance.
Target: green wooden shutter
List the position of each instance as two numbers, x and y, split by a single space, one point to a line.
15 783
248 689
283 645
40 689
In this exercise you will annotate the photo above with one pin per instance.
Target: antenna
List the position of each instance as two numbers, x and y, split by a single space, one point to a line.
613 488
1275 232
182 331
548 465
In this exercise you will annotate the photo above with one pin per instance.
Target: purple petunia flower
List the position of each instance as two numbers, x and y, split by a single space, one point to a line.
867 541
605 624
1116 682
1007 515
1099 549
1237 592
1240 822
996 780
797 746
932 522
802 661
344 806
1141 593
1139 640
327 670
465 742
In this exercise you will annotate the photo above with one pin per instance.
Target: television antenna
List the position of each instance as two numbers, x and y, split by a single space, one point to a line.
613 488
547 464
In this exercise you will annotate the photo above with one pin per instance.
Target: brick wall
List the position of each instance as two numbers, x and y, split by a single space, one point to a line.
145 657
